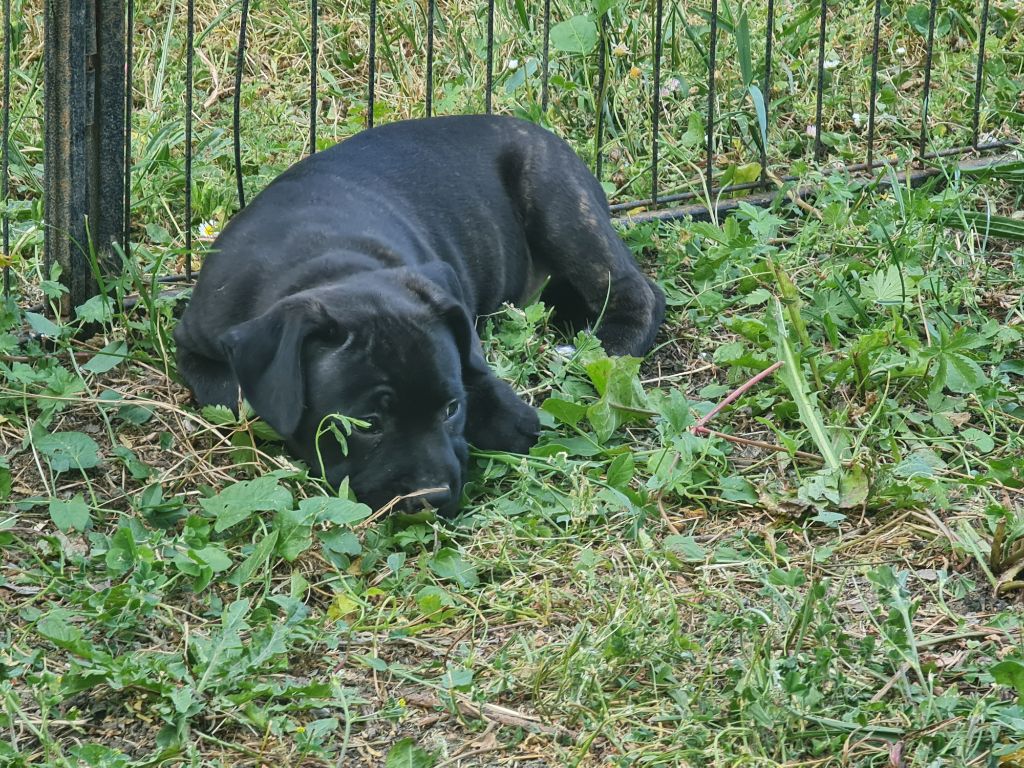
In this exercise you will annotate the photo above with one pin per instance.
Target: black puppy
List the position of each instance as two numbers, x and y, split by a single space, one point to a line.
352 282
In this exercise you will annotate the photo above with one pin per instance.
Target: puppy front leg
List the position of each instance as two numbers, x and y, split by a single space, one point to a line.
497 419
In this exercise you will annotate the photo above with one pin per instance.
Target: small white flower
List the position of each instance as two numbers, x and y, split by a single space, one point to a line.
901 51
831 64
620 50
513 64
812 131
857 119
208 229
671 86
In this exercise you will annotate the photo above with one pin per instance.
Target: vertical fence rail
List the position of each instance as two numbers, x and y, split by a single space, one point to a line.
820 88
84 143
5 160
190 53
602 82
712 57
923 143
314 17
490 55
129 71
979 77
873 96
236 115
431 10
656 99
545 54
371 86
766 95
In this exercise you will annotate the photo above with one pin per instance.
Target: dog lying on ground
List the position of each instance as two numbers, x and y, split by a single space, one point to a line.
351 284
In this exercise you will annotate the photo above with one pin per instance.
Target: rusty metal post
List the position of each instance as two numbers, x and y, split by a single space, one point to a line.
84 140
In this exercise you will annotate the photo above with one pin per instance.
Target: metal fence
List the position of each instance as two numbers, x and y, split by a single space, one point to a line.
88 118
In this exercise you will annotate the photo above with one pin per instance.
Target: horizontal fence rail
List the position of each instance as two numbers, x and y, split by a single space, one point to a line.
658 203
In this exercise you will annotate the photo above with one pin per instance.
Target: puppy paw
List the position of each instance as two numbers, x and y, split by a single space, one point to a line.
502 422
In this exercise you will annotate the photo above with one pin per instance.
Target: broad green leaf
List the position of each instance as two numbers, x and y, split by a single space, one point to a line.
448 564
107 358
341 541
888 287
98 309
66 450
219 415
620 471
1010 672
922 462
565 411
70 514
240 500
686 547
121 554
328 509
405 754
296 531
960 373
980 440
215 652
853 487
42 325
259 557
457 677
56 628
575 35
737 488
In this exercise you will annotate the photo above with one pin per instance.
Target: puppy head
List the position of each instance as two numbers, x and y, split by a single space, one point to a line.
381 351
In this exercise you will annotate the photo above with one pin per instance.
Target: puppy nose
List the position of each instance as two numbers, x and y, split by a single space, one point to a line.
438 497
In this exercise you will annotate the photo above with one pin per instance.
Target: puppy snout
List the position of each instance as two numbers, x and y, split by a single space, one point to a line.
435 496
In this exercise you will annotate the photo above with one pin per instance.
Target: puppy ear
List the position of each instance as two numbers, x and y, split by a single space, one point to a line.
265 354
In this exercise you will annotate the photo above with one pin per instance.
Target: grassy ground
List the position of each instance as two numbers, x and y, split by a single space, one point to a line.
842 588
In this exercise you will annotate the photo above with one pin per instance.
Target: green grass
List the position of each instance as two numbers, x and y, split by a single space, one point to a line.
843 589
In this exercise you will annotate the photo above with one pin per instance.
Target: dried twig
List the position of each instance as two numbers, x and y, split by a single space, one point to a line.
493 713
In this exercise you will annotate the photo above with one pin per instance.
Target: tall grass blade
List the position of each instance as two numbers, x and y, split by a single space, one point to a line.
806 401
743 49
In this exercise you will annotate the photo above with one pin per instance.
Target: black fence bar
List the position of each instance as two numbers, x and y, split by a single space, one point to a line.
490 55
371 86
545 57
84 116
856 168
709 180
979 78
923 146
237 113
129 105
105 132
656 98
766 94
873 97
314 18
5 160
190 53
602 83
430 56
818 146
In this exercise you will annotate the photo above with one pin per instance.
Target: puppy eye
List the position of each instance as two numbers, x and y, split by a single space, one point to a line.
451 409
